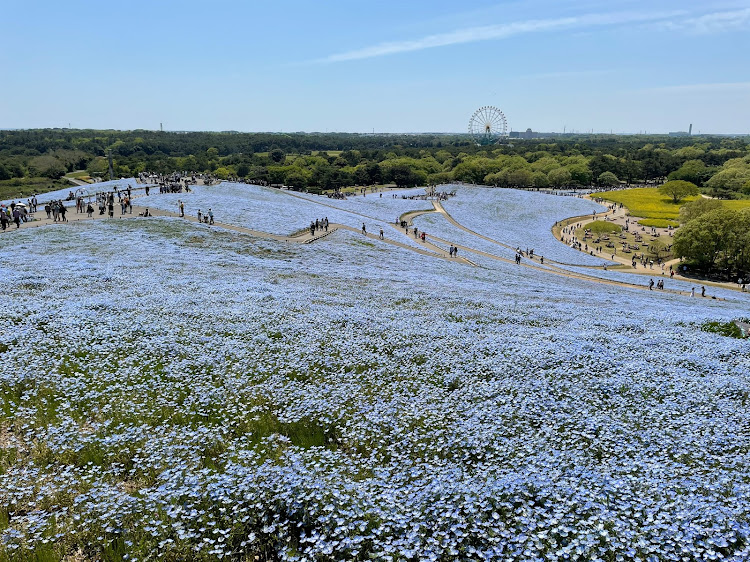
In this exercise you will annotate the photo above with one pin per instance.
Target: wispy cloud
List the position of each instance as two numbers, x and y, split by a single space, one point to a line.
500 31
709 88
715 22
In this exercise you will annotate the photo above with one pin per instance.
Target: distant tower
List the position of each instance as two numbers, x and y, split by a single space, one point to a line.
161 127
690 130
111 169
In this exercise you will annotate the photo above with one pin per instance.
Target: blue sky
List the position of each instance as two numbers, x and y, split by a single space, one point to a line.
387 66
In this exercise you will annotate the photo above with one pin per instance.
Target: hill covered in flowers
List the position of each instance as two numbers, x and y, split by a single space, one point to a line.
175 392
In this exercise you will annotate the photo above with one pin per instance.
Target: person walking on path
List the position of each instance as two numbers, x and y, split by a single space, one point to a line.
200 216
381 232
703 291
182 209
650 284
692 291
364 230
210 216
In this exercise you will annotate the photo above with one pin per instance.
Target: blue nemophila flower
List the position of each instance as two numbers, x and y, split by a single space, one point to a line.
245 402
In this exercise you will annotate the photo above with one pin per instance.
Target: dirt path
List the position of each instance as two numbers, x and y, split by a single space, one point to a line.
549 266
303 238
433 246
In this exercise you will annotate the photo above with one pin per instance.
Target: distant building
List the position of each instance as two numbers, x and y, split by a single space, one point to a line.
528 134
687 133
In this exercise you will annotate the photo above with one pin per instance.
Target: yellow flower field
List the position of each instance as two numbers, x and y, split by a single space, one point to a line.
645 202
648 203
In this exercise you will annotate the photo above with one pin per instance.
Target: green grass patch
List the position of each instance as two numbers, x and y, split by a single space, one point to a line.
646 202
729 329
18 188
603 227
659 223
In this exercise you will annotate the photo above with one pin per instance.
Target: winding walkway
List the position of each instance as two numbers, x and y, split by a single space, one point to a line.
433 246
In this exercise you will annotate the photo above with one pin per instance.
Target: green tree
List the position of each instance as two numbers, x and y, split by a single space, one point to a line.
703 239
55 171
521 178
694 171
242 170
405 176
559 177
277 155
580 174
5 173
608 179
729 179
545 164
296 180
694 209
631 170
352 157
277 175
374 173
541 180
361 177
224 172
16 169
657 248
678 190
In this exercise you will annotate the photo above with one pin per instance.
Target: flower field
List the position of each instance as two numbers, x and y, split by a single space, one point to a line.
521 219
171 392
646 202
283 212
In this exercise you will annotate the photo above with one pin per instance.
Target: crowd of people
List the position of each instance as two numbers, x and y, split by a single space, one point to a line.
13 213
322 224
176 181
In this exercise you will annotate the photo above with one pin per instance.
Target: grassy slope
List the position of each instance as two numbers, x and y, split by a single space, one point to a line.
24 187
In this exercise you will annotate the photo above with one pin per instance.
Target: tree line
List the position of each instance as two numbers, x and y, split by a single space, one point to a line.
323 161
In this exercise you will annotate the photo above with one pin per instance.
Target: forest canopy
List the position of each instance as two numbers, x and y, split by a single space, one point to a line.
719 166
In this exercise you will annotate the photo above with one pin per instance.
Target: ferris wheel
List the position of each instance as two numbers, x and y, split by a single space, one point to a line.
488 125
